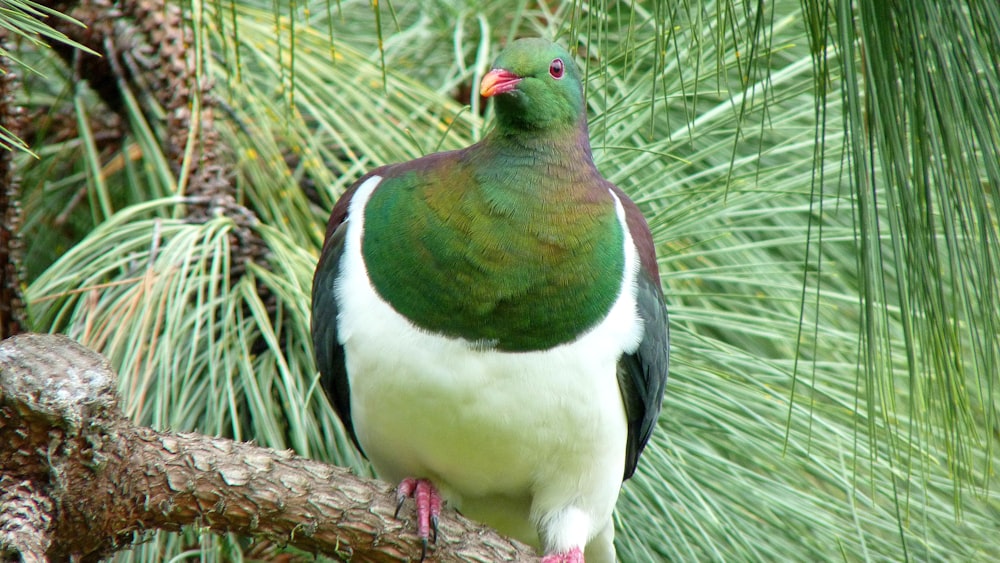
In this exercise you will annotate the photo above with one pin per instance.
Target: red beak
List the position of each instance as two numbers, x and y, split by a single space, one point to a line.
498 81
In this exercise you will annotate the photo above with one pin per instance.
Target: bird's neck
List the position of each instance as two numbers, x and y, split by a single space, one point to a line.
536 171
538 175
549 150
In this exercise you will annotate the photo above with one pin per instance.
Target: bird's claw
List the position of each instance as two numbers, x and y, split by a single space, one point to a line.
403 492
428 501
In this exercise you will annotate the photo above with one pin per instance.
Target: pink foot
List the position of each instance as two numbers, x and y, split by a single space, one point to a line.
574 555
428 502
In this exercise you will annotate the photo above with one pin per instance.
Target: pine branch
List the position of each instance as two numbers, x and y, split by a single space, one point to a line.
79 480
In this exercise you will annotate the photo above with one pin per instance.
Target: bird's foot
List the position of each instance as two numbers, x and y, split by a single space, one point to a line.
428 502
574 555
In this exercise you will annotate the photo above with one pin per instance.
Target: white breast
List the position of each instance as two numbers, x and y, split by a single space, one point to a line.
510 438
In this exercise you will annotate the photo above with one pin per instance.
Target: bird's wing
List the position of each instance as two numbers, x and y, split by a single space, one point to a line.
642 374
326 343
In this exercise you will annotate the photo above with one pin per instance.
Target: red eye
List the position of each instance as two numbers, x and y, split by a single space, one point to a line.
556 68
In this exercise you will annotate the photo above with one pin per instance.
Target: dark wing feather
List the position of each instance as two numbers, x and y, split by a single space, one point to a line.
326 343
642 375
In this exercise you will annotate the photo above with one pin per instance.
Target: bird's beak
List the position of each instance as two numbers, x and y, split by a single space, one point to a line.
498 81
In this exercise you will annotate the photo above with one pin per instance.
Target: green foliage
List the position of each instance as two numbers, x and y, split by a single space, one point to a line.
820 179
23 21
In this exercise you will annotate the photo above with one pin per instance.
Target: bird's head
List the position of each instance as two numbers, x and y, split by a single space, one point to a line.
536 85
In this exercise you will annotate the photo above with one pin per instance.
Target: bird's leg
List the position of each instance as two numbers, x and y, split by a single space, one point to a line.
574 555
428 500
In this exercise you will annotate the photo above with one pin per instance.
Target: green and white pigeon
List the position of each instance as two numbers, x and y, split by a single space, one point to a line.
489 322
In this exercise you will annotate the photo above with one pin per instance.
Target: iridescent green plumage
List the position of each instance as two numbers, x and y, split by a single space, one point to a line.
497 245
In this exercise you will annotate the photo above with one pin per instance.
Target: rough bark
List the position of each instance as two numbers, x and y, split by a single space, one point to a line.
79 481
12 314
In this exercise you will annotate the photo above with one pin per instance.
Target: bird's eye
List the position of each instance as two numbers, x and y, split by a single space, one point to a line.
556 68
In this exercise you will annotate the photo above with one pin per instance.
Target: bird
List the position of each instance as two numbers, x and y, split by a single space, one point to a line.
489 323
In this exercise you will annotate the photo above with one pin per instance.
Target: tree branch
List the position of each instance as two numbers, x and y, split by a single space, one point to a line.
12 118
77 479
